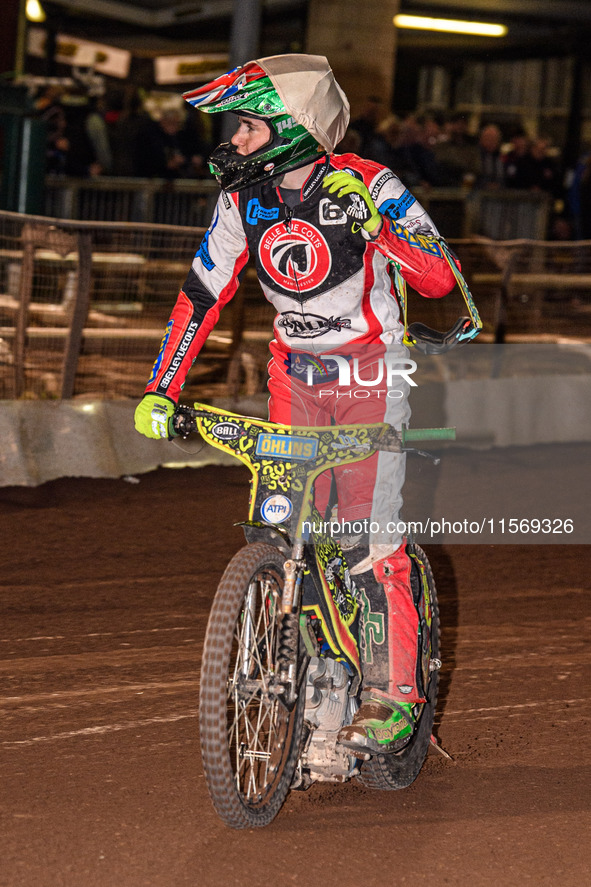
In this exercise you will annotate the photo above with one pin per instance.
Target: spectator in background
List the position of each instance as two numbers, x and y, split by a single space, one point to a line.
196 145
125 118
457 153
49 107
431 124
157 147
350 143
518 149
416 162
79 140
491 172
400 146
531 168
97 131
382 146
166 149
367 122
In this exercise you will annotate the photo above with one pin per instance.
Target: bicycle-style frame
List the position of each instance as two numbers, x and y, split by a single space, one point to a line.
284 462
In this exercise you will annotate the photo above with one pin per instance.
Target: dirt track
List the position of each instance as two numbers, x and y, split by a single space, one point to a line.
105 592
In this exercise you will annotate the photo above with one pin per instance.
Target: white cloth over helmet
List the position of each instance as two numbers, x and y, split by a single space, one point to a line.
307 87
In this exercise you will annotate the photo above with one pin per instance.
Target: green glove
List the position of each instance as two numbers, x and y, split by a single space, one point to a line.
152 415
355 200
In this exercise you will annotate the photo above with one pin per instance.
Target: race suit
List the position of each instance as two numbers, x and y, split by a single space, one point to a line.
330 287
333 294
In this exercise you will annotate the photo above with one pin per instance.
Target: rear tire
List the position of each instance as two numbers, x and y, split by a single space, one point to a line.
249 741
395 771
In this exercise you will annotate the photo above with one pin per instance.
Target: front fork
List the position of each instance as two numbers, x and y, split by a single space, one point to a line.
294 577
288 673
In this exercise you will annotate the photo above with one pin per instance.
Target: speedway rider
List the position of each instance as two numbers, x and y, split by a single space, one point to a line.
323 229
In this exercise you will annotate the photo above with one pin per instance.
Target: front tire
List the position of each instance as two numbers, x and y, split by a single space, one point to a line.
249 741
399 770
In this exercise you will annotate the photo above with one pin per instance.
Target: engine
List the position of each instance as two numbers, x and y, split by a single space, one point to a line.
328 707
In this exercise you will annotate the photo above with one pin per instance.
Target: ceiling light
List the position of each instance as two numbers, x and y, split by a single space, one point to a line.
450 26
34 11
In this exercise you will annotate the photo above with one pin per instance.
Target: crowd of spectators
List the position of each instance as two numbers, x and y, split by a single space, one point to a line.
116 133
435 150
113 134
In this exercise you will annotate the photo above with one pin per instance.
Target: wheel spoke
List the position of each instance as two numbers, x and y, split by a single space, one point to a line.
253 713
249 763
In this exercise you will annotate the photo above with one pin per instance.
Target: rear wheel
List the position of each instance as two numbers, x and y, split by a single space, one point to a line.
394 771
249 739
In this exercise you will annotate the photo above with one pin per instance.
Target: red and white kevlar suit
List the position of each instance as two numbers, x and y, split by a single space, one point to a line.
333 294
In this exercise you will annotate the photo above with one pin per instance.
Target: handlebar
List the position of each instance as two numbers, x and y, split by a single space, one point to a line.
409 434
183 423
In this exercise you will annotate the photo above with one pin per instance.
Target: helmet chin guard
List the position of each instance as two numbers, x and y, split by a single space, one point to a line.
251 91
234 171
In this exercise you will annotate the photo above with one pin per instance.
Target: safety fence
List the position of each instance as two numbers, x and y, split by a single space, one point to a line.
115 199
501 215
83 305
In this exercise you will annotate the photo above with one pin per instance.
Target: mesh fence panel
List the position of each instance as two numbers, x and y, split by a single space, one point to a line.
530 290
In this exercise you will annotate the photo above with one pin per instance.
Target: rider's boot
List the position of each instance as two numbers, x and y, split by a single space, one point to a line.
392 697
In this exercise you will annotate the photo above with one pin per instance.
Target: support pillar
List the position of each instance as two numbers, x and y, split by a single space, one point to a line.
358 38
244 45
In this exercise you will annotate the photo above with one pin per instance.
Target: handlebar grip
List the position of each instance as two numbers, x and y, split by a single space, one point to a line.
409 434
182 423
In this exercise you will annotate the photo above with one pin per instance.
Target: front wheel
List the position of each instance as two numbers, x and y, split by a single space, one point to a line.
395 771
249 740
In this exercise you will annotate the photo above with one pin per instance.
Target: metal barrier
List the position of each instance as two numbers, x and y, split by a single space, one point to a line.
501 215
113 199
507 214
83 305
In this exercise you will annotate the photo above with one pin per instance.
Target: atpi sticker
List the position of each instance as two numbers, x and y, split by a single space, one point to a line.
276 509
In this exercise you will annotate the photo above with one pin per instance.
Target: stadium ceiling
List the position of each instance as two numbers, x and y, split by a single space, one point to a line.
143 26
155 14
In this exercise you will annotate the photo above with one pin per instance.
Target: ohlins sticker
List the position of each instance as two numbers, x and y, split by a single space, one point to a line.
310 326
283 446
180 354
297 259
254 212
163 344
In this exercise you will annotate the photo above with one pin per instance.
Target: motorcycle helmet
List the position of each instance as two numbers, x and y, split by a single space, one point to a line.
298 98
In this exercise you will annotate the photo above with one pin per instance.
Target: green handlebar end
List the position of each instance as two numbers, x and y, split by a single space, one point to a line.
411 434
